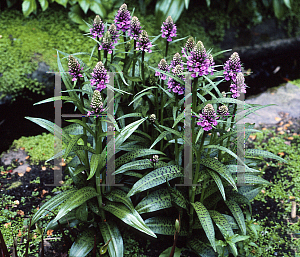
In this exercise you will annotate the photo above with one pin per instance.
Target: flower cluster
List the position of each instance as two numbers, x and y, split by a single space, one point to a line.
164 67
168 29
96 103
122 19
232 67
176 61
113 33
144 43
99 77
238 86
174 85
74 68
223 111
199 62
107 43
98 27
189 45
208 117
152 117
155 158
135 28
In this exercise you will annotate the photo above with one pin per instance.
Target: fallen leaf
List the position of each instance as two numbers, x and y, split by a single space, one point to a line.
290 122
21 163
20 174
44 168
291 197
277 119
295 134
281 132
20 233
20 212
22 148
252 137
37 208
28 169
281 153
44 192
287 142
280 128
27 157
16 202
263 191
49 232
290 138
7 224
281 123
287 125
264 128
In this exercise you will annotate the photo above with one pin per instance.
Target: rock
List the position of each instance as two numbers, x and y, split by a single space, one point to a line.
286 98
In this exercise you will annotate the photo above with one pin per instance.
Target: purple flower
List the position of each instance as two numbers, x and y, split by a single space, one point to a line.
176 61
74 68
99 77
98 27
135 28
144 43
168 29
208 118
122 19
238 85
155 158
189 45
232 67
198 61
173 84
107 43
113 33
96 103
164 67
211 64
223 111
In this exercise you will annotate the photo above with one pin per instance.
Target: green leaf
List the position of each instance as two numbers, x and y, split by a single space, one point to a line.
127 131
52 204
83 244
62 2
237 214
135 154
44 4
84 5
219 219
249 191
218 181
130 115
157 200
131 218
239 198
206 222
117 195
69 219
240 116
84 125
164 8
204 250
82 212
165 226
98 8
97 160
251 179
222 101
28 6
109 230
160 137
250 153
278 9
155 178
175 132
135 165
166 253
231 221
78 198
51 127
287 3
217 166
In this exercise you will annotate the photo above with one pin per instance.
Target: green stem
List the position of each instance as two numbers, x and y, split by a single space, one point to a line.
176 137
167 48
162 112
231 125
105 58
99 51
143 67
194 106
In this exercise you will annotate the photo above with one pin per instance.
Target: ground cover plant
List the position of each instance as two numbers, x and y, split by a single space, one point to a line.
145 143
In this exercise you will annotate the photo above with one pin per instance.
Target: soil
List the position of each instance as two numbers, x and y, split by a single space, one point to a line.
58 249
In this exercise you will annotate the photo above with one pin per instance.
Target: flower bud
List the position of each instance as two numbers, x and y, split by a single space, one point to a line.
208 110
177 226
152 117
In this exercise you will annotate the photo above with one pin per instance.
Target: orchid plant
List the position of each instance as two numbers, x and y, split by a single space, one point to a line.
146 123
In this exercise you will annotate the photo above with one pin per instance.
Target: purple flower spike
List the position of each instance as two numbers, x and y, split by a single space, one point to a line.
164 67
122 19
107 43
99 77
144 43
96 104
223 111
74 68
208 118
176 61
189 45
98 27
168 29
135 28
232 67
174 85
238 85
113 33
198 61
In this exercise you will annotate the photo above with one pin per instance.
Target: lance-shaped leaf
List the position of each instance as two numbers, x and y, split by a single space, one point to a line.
69 219
173 131
217 166
155 178
250 153
237 214
165 226
73 143
239 198
84 125
218 181
204 250
52 204
117 195
154 201
249 191
224 226
109 230
160 137
135 154
132 218
127 131
83 244
231 221
206 222
97 161
243 115
252 179
78 198
51 127
135 165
